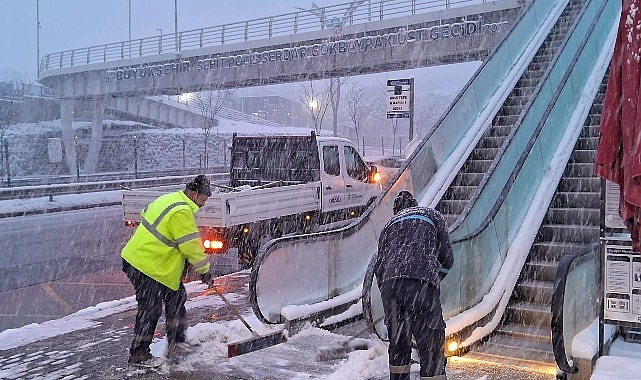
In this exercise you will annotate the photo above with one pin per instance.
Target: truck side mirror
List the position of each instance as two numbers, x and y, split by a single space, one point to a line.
374 175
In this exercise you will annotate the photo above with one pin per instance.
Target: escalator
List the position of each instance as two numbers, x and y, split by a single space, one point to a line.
532 114
470 179
570 224
334 263
512 229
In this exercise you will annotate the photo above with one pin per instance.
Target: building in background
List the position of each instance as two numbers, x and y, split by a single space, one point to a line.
274 108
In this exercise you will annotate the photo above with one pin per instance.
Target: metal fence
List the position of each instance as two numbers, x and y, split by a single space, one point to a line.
25 160
330 17
10 91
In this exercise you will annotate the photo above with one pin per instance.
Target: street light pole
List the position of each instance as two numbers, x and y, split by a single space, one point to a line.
176 24
129 43
129 20
38 36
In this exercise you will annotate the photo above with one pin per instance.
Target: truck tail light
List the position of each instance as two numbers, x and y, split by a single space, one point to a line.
213 244
376 177
214 240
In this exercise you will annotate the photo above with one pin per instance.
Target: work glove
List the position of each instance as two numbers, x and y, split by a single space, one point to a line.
206 278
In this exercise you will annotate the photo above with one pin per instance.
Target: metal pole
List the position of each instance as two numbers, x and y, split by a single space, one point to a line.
77 160
129 43
411 110
5 145
135 157
183 153
159 41
224 153
38 36
176 23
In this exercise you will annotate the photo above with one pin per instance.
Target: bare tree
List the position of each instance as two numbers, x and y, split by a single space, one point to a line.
316 102
357 107
335 97
208 104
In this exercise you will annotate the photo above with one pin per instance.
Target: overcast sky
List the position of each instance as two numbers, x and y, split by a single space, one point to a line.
70 24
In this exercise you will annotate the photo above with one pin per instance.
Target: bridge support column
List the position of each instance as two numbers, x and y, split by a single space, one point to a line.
68 138
98 112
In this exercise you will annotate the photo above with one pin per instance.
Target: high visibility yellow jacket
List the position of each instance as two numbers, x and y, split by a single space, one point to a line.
166 237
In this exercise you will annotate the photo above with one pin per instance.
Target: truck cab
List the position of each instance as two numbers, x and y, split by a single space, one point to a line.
347 181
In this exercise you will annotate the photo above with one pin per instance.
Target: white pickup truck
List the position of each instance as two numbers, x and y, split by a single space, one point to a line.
279 185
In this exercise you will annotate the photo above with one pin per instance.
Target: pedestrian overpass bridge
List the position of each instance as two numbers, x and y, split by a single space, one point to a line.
354 38
359 37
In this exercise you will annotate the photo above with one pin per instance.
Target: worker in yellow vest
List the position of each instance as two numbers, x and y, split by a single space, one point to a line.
154 260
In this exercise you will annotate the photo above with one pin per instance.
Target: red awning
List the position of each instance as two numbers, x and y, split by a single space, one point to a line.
618 154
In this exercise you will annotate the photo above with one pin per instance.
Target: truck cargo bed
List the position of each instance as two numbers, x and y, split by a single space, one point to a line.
238 207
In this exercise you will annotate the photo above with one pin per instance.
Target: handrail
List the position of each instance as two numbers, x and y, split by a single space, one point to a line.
526 151
329 17
558 297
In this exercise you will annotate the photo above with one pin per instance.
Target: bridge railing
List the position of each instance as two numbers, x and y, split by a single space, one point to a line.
331 17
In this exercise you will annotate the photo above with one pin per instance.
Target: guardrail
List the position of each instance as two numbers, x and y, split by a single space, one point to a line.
27 192
330 17
109 176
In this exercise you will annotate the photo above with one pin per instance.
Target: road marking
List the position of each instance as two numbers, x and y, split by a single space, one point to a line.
56 297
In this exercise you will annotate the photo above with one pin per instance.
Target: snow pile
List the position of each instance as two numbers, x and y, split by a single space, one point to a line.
364 364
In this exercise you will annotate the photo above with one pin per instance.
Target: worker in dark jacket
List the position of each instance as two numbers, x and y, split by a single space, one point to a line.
414 254
154 260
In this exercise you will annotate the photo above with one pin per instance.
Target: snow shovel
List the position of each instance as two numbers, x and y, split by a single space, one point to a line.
257 341
341 350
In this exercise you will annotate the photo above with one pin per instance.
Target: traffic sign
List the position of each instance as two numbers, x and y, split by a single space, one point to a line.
399 97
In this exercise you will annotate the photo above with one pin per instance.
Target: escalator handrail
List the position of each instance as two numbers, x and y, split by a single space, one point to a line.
526 151
558 297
